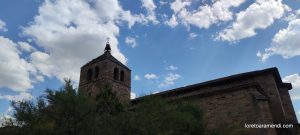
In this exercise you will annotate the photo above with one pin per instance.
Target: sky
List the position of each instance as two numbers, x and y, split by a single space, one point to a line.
166 43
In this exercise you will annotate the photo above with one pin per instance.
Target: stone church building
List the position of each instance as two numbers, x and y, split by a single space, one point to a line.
257 97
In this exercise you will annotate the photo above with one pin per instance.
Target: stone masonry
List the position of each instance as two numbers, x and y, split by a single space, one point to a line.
258 97
105 71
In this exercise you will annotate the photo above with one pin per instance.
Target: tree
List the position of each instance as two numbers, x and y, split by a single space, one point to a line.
67 112
155 115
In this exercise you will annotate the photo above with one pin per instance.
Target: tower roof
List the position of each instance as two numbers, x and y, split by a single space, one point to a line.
107 55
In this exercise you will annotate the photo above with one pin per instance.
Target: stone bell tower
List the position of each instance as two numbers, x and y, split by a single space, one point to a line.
103 71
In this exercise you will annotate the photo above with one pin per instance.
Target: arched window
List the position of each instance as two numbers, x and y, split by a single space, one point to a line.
89 74
116 74
122 76
96 72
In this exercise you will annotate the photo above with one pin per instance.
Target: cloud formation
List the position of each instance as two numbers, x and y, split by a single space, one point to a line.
130 41
3 26
151 76
192 35
169 80
74 32
171 68
258 15
150 6
24 46
204 15
284 43
132 95
23 96
68 34
295 80
172 22
15 71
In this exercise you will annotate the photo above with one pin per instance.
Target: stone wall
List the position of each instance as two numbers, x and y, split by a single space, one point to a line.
234 108
255 100
105 78
268 84
288 106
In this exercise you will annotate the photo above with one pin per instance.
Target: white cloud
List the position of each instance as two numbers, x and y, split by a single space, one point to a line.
71 33
151 76
295 80
6 115
9 112
163 2
26 47
15 71
172 68
137 78
74 32
172 22
258 15
285 43
132 95
22 96
130 41
3 26
179 5
169 80
290 17
290 14
204 15
298 12
263 56
39 78
150 6
192 35
111 10
42 62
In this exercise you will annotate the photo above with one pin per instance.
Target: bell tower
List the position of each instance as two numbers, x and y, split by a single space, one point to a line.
103 71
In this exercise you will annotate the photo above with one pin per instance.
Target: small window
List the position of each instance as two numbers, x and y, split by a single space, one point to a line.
122 76
96 72
89 74
116 74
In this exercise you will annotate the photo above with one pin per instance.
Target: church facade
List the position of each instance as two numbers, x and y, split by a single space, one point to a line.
257 97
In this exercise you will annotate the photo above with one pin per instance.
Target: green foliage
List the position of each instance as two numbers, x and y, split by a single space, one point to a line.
155 115
67 112
107 102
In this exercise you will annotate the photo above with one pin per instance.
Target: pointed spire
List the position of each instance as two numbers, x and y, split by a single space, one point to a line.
107 47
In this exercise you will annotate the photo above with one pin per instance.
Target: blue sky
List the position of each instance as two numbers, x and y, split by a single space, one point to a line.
166 43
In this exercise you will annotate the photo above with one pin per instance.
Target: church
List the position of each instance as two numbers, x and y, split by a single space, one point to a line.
256 97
